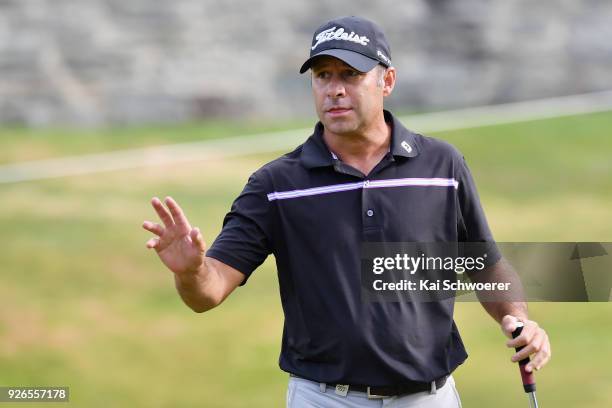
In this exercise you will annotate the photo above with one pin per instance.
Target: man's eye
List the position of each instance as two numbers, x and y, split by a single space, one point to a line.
323 75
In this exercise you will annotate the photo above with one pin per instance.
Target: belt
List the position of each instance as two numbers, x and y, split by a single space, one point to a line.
374 392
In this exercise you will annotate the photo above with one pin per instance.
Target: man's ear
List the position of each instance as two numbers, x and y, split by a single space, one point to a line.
389 81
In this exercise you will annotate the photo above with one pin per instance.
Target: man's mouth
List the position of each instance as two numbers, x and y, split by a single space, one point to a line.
336 111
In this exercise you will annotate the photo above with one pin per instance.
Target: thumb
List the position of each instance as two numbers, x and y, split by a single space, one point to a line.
509 324
197 239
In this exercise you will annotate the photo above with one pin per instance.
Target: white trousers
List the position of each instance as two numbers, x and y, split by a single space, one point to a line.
302 393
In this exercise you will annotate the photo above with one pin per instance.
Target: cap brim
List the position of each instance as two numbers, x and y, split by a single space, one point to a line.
356 60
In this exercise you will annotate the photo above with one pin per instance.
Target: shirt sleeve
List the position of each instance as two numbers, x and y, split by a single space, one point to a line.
472 225
245 239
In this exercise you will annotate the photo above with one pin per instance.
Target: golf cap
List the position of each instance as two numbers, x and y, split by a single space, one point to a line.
358 42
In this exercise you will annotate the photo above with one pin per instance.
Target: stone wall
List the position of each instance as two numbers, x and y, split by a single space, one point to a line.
90 62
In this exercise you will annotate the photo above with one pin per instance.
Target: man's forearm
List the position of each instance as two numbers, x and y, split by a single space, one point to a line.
500 304
196 289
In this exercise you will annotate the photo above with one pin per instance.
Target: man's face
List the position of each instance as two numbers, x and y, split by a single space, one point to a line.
346 100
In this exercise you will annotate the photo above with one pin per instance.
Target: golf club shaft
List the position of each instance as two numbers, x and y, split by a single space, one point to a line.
533 402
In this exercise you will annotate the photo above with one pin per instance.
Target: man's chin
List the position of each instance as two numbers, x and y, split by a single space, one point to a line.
339 126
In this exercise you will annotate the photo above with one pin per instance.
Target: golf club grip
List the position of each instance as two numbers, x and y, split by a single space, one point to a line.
527 378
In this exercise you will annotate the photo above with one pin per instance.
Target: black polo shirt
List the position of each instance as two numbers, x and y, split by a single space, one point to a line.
312 211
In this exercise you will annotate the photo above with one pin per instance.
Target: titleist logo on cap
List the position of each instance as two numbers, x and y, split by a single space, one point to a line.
339 34
356 41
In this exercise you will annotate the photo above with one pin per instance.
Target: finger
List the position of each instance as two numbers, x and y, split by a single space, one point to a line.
526 351
153 227
197 238
534 345
530 329
521 340
162 212
177 213
152 243
509 324
542 357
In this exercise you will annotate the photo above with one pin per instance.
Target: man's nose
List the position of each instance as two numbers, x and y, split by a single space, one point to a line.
336 87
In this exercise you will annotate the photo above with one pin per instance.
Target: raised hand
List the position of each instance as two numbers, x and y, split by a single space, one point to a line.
179 246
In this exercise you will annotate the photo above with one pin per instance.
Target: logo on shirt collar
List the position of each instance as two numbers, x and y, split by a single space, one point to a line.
339 34
406 146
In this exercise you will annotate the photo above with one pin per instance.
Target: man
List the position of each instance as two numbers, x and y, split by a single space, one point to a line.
361 177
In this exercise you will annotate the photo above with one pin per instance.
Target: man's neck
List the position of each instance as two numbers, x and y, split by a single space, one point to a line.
362 149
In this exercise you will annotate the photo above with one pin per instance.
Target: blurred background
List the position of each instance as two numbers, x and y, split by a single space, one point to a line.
105 104
114 61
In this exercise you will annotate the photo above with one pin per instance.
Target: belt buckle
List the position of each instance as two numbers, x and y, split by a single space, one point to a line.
374 396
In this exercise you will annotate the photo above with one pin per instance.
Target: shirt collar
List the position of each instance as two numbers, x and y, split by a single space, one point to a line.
315 152
403 141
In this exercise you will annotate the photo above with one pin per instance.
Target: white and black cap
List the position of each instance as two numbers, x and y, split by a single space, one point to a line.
358 42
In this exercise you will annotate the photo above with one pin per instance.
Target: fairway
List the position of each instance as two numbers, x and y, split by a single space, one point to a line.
83 303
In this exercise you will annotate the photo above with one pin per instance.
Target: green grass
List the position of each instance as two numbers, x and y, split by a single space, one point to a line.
538 159
19 144
84 304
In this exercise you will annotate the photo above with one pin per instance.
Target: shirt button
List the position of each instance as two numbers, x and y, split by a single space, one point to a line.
366 183
370 213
